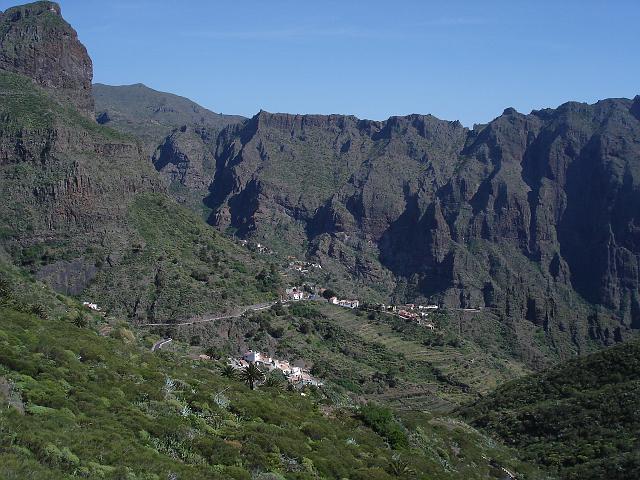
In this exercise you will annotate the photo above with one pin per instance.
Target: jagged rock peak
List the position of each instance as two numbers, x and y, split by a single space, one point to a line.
37 42
635 107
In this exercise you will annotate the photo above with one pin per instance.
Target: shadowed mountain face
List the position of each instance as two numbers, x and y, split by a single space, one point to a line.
531 215
178 135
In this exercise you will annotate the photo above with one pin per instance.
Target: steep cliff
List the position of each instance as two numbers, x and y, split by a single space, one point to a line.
531 216
36 41
80 199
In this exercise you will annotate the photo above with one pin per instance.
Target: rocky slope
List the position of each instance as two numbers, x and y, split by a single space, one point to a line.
177 134
37 42
78 197
532 216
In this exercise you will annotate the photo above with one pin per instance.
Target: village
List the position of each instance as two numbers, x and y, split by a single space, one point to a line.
296 376
410 311
312 292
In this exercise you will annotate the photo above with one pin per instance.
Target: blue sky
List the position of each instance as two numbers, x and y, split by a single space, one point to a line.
464 60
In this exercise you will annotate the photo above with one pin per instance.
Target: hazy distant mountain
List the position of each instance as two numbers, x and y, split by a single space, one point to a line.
132 107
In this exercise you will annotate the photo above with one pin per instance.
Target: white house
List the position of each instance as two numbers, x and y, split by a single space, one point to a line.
253 356
349 303
294 293
92 306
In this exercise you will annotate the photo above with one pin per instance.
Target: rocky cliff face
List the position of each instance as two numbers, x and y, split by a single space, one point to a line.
66 182
36 41
178 135
533 216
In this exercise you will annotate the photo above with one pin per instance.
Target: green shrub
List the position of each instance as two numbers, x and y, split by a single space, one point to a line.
382 421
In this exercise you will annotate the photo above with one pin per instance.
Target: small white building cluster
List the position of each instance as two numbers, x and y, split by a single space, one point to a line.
295 293
259 247
302 266
410 311
300 293
294 375
344 303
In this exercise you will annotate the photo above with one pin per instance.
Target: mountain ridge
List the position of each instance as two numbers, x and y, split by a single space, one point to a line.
400 205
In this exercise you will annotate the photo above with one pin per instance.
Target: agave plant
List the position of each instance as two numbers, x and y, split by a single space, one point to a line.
399 468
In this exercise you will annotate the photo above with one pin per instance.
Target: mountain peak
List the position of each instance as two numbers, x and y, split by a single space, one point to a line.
37 42
35 8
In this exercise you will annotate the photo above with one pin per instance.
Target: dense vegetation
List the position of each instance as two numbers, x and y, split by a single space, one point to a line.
579 418
77 404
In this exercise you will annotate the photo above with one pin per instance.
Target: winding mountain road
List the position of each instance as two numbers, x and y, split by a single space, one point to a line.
212 318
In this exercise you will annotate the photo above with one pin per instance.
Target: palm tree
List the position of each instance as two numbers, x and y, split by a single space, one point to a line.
228 371
275 380
251 374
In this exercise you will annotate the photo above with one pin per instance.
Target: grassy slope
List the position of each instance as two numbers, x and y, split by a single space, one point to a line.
580 418
101 407
152 115
27 106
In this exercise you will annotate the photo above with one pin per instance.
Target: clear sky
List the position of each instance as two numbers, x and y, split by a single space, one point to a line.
464 60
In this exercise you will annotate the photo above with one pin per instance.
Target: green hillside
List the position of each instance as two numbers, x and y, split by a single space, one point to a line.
151 115
78 404
176 267
579 418
85 212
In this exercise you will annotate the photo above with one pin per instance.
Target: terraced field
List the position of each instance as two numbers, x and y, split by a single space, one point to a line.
464 362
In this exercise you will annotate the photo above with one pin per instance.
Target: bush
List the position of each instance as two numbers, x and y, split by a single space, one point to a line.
381 420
